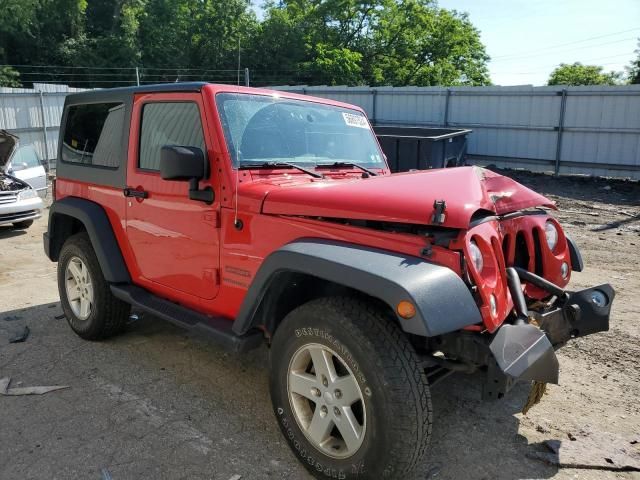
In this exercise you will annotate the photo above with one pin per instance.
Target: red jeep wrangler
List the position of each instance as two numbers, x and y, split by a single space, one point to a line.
257 216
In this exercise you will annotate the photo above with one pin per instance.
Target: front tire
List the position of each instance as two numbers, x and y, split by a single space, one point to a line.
91 309
349 392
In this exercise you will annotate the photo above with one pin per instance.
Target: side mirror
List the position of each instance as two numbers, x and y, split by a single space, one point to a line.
182 163
186 164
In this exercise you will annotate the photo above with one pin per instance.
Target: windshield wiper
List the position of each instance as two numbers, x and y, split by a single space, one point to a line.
280 165
346 164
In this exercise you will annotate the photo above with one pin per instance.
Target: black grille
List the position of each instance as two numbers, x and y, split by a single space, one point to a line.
521 258
537 250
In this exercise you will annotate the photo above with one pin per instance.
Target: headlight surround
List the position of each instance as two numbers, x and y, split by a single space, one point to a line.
551 234
476 256
27 194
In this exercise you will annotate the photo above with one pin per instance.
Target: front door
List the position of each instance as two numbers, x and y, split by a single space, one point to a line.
174 240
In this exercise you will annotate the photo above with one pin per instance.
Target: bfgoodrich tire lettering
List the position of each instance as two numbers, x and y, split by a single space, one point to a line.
393 385
107 315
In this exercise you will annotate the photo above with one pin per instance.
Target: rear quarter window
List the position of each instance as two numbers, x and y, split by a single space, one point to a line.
93 134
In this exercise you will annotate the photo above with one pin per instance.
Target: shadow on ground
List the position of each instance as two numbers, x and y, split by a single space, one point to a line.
10 232
156 394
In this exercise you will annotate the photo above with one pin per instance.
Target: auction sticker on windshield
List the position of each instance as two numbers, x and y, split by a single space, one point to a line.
355 120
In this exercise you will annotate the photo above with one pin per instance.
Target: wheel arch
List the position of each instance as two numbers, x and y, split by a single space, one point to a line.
288 290
72 215
309 268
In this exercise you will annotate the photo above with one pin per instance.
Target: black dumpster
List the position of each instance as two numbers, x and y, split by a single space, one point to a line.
420 148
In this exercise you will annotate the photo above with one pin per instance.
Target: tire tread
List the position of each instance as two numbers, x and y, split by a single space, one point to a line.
114 313
399 366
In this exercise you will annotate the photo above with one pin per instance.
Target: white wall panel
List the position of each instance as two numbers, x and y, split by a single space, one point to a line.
512 126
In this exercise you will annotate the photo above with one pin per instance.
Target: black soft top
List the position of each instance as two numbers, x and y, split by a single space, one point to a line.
121 94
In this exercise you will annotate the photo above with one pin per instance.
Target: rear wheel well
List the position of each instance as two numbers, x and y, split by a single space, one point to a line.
289 290
62 227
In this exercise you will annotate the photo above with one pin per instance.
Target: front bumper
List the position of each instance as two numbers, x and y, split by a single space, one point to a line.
21 210
525 350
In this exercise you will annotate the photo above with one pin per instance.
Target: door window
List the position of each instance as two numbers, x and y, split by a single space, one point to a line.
169 123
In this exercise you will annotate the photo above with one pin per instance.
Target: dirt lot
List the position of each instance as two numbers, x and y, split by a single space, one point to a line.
157 403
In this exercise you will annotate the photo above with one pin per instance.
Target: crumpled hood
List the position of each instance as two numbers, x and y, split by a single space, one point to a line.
8 143
406 197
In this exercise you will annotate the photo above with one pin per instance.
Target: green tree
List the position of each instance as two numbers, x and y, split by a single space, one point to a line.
108 40
200 34
422 45
378 42
9 77
16 24
32 31
634 68
333 66
579 74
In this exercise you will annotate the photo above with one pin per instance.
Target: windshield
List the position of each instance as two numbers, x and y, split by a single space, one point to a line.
25 157
261 129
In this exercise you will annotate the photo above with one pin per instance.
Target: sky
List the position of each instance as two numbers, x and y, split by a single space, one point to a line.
527 39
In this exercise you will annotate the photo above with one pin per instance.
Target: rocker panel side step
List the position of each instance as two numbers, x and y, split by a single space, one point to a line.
218 329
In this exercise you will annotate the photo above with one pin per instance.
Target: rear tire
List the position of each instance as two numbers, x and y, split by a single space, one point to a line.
91 309
23 225
375 382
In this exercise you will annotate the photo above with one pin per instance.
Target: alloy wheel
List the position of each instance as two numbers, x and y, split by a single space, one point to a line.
326 401
79 288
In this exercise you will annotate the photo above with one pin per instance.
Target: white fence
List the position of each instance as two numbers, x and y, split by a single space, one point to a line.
34 115
585 130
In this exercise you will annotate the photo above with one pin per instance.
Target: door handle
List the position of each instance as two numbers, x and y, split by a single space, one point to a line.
132 192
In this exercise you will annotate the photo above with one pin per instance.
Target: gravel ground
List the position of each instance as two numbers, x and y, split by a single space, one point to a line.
159 403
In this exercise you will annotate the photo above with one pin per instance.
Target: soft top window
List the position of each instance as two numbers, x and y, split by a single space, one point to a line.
93 134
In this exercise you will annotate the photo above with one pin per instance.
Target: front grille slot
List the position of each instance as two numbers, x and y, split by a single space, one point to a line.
521 258
6 198
506 248
537 250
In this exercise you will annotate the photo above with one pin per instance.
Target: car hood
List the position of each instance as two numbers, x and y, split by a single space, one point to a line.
8 143
406 197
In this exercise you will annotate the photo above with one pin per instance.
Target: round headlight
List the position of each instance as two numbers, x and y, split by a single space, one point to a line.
551 232
476 256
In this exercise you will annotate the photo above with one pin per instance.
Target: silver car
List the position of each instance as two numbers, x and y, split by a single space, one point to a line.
20 203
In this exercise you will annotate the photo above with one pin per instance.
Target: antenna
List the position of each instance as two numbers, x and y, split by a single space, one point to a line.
236 222
238 60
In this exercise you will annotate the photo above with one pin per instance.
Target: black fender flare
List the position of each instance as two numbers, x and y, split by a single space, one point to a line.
443 301
96 223
577 264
